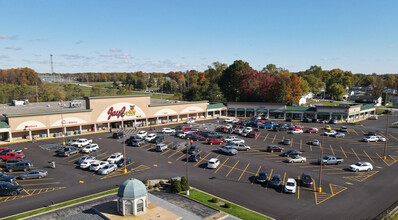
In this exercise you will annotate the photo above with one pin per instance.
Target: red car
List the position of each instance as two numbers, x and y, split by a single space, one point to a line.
313 130
11 155
200 138
215 141
186 129
3 148
297 127
252 134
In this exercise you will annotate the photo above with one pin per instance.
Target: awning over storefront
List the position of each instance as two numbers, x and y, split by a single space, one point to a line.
250 110
339 113
231 109
261 110
323 113
276 111
240 109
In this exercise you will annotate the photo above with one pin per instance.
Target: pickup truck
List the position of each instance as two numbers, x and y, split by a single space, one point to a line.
330 160
67 151
11 155
82 143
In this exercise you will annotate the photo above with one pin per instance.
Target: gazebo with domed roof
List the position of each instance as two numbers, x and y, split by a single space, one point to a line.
132 197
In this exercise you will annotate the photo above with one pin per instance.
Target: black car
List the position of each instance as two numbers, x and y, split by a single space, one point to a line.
11 162
372 133
120 163
306 120
275 181
291 153
10 189
117 135
262 177
275 148
280 127
22 165
157 139
193 149
194 157
315 120
306 180
178 127
333 121
6 178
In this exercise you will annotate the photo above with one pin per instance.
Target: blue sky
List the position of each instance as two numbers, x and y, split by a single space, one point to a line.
177 35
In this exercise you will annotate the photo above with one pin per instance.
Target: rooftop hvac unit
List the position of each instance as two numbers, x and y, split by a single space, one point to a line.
75 104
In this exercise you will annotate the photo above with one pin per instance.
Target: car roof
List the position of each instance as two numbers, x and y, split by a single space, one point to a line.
213 160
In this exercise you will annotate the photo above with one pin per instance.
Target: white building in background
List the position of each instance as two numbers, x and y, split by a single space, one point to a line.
303 99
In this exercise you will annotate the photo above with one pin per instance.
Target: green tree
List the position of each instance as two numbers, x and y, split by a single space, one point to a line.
336 91
184 184
175 186
231 78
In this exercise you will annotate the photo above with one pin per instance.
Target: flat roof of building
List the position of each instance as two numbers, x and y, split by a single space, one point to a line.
40 107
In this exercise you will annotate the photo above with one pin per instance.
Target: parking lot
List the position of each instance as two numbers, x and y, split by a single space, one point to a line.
345 194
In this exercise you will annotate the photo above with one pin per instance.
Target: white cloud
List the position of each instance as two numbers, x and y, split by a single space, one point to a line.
12 48
115 50
3 57
324 59
2 36
72 56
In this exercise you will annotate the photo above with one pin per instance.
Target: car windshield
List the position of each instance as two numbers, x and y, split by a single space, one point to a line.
306 178
211 162
290 184
358 164
95 165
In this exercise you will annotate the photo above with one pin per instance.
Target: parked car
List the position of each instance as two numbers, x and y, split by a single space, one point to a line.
286 141
168 131
120 163
361 166
194 157
90 148
307 180
6 178
213 163
11 162
215 141
142 134
4 156
67 151
107 169
280 127
86 164
374 117
370 139
338 134
118 135
115 158
381 138
33 174
239 147
333 121
313 130
327 128
230 138
161 147
9 189
275 148
97 165
296 159
138 142
150 137
329 133
82 143
290 153
315 120
252 134
85 158
275 181
297 131
190 121
238 141
229 150
297 127
193 149
330 159
157 139
290 186
315 142
343 129
21 165
262 177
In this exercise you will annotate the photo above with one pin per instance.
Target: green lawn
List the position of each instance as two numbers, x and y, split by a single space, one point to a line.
237 211
329 103
61 205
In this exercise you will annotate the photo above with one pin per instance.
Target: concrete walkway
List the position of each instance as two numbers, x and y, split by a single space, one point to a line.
173 208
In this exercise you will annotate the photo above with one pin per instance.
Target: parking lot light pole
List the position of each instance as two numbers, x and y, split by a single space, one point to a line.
186 163
321 162
385 143
124 148
62 123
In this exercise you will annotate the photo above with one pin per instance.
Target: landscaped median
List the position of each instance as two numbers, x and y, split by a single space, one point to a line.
235 210
60 205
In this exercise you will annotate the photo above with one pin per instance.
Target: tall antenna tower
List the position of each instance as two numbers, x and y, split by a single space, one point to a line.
52 68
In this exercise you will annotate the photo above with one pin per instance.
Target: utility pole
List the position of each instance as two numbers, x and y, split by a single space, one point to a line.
52 68
37 94
385 143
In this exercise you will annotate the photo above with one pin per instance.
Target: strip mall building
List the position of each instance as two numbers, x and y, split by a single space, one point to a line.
53 119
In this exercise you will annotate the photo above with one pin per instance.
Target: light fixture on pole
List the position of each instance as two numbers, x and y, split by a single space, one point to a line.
321 162
124 147
62 123
385 143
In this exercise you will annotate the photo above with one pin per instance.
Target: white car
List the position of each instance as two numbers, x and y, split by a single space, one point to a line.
115 157
168 131
85 158
297 131
370 139
361 166
190 121
248 129
229 120
238 141
107 169
290 186
213 163
86 164
229 138
150 137
381 138
228 126
245 133
296 159
90 148
235 121
142 134
329 133
97 164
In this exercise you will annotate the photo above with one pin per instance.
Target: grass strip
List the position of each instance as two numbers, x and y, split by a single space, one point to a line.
236 210
61 205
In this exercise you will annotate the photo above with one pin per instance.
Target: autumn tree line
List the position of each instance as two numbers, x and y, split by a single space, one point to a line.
218 83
